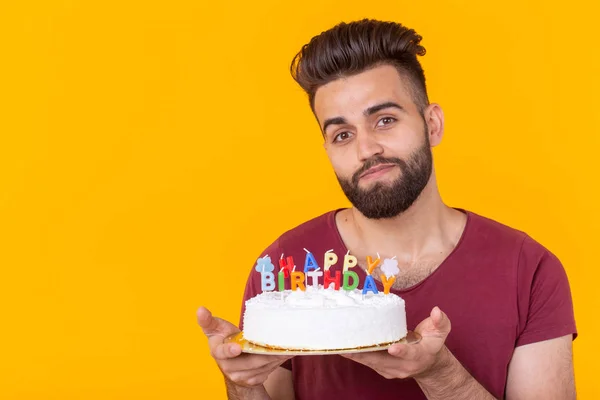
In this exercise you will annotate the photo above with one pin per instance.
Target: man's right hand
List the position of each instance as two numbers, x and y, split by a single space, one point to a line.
247 370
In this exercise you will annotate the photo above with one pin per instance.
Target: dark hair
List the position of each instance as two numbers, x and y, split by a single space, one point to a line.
351 48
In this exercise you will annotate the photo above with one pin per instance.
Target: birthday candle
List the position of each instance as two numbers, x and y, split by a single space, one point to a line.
327 280
349 261
390 270
267 279
297 280
370 285
387 283
330 259
314 275
281 281
287 265
347 276
310 263
372 264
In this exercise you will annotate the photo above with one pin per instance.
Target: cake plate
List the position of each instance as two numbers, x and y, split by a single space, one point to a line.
249 347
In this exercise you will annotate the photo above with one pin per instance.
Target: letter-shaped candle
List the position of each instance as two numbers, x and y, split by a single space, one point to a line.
330 259
314 275
327 280
347 276
310 264
267 277
349 262
387 283
286 265
267 281
372 264
281 281
297 280
370 285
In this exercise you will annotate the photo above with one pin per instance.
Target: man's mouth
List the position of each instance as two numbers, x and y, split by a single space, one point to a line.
376 170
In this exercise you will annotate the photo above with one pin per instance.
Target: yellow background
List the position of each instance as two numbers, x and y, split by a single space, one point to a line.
149 151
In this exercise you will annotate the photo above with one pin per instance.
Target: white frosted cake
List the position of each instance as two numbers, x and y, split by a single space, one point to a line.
324 319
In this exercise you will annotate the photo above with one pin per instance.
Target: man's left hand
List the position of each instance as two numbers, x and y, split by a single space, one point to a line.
412 360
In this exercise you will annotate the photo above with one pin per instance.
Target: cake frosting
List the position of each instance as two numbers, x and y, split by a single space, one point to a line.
324 319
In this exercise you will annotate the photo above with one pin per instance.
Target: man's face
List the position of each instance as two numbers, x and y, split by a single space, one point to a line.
376 140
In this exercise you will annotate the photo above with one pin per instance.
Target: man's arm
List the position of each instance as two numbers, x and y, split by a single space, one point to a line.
279 385
449 380
439 374
542 370
237 392
245 374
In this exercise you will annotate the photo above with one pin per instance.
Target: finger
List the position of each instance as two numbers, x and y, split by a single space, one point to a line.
255 361
229 351
440 320
436 325
207 322
252 377
223 351
214 325
403 351
247 365
367 358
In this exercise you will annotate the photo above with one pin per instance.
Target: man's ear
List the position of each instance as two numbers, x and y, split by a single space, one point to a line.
434 118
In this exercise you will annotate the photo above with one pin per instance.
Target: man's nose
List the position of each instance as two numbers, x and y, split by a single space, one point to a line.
368 146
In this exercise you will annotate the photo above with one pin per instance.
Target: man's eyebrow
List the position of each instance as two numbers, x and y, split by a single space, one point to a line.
334 121
388 104
369 111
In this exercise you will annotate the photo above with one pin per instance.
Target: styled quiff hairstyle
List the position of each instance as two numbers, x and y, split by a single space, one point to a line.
351 48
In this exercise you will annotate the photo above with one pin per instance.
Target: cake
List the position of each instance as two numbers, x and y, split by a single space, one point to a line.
324 319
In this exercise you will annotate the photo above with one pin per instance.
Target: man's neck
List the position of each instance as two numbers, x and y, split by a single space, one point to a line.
427 228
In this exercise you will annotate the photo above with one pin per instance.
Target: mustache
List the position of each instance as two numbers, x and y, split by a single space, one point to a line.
372 162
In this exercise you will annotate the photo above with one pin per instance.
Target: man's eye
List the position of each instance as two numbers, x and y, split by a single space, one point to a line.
386 121
341 137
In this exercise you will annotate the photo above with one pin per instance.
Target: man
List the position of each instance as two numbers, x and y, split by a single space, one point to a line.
492 305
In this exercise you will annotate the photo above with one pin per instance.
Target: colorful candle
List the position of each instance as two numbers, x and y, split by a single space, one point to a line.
267 278
390 267
297 280
372 264
330 259
349 262
281 281
328 280
370 285
287 265
387 283
310 264
346 283
314 275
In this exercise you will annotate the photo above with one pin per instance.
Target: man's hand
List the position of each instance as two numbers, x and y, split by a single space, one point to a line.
246 370
412 360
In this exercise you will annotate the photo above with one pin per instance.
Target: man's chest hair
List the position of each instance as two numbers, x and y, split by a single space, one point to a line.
409 275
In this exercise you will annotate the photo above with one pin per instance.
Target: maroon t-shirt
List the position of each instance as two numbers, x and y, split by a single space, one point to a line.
499 287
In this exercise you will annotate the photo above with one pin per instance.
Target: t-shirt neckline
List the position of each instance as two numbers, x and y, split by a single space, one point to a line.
464 233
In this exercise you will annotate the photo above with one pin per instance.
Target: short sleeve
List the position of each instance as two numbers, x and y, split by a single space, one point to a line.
544 296
253 288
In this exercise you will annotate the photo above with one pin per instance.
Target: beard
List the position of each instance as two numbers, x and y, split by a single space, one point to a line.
387 200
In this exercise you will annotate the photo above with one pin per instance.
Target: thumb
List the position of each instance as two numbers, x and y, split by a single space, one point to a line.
440 321
436 325
214 326
207 322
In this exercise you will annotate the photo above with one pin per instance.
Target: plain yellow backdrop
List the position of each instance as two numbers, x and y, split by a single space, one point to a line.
150 150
